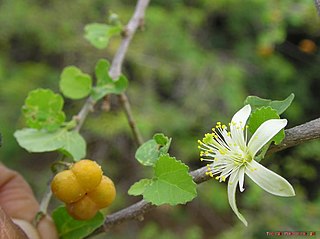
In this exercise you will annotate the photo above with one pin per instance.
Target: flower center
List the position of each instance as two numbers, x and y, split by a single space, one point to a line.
226 149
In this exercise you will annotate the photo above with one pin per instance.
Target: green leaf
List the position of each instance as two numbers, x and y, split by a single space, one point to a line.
139 187
43 110
279 105
69 142
74 145
75 84
161 139
113 87
39 140
172 183
99 34
261 115
149 152
69 228
102 72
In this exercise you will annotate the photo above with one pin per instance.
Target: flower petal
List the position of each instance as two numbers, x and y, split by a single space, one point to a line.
232 186
242 115
268 180
264 133
237 125
241 178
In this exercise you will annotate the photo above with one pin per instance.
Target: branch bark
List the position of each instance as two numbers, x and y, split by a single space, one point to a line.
294 136
298 135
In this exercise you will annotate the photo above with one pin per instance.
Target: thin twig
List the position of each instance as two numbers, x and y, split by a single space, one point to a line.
294 136
115 70
82 115
127 109
130 29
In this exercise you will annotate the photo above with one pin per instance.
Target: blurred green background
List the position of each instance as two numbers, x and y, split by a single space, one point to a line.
193 64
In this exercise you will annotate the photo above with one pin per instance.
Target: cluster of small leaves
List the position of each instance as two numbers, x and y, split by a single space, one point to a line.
47 129
263 110
172 184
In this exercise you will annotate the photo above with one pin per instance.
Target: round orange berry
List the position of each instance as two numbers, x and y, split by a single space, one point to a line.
104 194
66 187
88 174
84 209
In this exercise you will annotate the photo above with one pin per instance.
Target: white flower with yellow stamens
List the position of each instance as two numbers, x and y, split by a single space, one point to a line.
231 156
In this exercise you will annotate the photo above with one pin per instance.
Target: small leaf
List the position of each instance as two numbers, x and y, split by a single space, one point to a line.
102 74
114 87
139 187
261 115
161 139
74 145
39 140
279 105
69 142
149 152
69 228
99 34
75 84
43 110
172 183
121 84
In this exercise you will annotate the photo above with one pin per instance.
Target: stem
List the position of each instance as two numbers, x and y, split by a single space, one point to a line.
43 205
127 109
85 110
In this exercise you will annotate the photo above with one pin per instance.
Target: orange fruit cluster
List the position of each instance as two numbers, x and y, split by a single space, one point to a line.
84 189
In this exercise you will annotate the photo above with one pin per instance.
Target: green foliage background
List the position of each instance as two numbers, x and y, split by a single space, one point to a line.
193 64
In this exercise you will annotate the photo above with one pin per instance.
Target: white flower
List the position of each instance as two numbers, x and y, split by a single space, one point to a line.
231 156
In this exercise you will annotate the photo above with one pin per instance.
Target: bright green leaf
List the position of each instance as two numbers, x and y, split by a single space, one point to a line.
149 152
161 139
43 110
69 142
99 34
172 183
69 228
114 87
74 145
75 84
279 105
139 187
39 140
102 72
261 115
121 84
